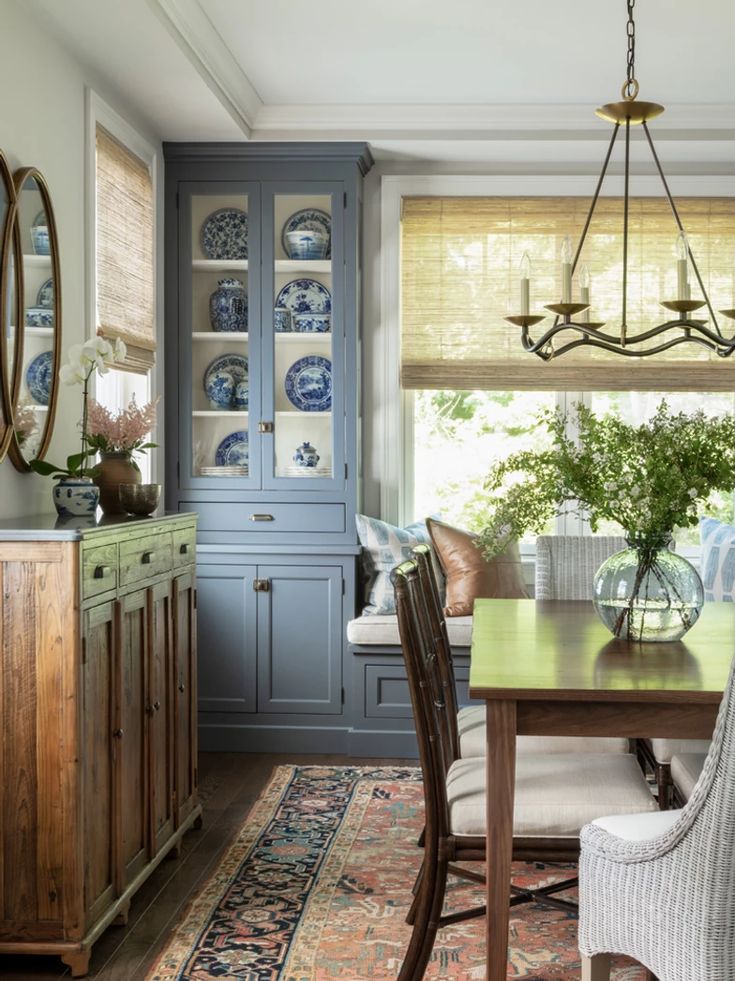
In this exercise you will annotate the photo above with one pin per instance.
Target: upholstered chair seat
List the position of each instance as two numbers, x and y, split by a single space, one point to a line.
686 770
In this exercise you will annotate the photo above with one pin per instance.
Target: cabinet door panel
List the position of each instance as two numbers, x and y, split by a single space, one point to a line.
99 749
160 710
185 735
227 639
133 726
300 640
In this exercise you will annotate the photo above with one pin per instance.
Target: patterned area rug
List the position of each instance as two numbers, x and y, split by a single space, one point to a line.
318 882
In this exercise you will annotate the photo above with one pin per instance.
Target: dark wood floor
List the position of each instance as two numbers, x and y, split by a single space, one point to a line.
229 784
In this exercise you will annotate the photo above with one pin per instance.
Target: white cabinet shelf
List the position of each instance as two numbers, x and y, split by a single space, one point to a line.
36 261
302 415
219 413
219 265
298 337
303 265
220 335
38 331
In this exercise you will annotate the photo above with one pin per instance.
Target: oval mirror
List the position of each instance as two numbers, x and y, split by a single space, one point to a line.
34 388
10 291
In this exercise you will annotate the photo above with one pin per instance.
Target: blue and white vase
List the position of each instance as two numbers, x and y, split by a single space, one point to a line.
241 396
76 496
228 306
306 455
220 389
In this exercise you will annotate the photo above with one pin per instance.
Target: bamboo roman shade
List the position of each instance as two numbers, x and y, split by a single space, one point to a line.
125 289
459 279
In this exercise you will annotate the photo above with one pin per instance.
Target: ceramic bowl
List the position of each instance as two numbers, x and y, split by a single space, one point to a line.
312 323
140 498
39 317
307 244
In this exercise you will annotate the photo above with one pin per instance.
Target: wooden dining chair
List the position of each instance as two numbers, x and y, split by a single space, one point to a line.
555 793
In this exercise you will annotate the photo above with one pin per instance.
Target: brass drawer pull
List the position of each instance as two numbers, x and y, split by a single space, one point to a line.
182 688
156 705
117 733
147 557
184 548
102 571
262 517
261 585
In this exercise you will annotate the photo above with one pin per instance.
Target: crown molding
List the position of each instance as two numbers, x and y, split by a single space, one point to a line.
479 121
207 51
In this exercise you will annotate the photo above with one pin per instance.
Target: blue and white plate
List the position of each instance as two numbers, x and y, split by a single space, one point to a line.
308 219
305 296
38 377
214 381
309 384
233 450
224 234
45 297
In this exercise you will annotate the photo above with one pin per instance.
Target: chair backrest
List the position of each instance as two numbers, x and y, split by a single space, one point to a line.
427 696
566 564
440 641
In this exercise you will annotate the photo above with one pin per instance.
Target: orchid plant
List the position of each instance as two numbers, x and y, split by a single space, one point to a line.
95 355
123 431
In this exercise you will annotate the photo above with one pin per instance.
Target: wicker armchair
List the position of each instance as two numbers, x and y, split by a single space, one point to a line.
566 564
661 887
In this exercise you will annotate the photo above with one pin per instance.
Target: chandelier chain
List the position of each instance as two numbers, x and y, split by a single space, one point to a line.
631 85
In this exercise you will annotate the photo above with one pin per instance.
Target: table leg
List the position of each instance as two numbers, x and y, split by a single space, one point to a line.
500 770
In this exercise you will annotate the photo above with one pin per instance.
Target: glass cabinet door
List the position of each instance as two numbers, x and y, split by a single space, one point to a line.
303 338
219 332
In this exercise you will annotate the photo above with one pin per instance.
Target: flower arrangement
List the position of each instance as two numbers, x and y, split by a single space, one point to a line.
95 355
25 422
648 478
121 432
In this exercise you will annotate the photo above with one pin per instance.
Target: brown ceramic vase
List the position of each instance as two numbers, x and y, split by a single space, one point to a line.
114 468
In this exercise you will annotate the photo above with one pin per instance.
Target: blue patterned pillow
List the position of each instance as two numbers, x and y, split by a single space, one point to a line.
718 559
384 547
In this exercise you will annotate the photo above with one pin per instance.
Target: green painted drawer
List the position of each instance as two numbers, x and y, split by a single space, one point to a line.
99 570
184 543
143 558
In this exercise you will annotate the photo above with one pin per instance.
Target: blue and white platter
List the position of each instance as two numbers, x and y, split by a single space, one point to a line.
233 450
305 296
224 234
219 392
308 384
38 377
308 219
45 296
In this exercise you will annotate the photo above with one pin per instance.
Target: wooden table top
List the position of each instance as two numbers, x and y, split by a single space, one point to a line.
527 650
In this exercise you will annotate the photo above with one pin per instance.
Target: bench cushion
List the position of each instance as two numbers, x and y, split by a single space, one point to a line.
382 630
686 771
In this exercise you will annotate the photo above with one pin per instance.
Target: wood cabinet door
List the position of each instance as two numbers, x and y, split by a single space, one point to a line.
185 695
132 730
160 708
100 749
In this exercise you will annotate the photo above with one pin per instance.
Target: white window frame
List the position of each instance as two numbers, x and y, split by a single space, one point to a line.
394 422
98 112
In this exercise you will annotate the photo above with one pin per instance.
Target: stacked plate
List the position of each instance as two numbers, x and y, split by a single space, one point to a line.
224 471
294 471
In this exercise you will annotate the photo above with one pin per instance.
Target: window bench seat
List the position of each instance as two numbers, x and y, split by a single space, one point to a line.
382 721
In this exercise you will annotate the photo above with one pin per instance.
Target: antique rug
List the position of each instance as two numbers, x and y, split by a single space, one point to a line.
318 882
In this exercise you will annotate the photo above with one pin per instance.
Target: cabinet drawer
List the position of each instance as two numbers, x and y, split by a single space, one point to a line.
271 517
145 557
184 542
99 570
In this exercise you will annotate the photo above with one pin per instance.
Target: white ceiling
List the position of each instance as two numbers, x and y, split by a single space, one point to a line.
417 78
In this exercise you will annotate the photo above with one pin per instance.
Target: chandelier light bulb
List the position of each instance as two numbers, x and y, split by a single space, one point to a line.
525 266
525 270
566 270
584 284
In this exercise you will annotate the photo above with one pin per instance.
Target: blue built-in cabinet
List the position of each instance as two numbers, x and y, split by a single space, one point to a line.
249 228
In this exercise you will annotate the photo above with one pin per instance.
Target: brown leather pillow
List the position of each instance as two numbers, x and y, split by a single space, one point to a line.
470 575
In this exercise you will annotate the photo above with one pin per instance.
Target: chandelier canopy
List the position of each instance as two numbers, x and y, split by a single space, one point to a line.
683 328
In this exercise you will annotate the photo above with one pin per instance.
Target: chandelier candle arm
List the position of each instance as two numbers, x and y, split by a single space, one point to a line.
525 270
682 267
566 270
584 285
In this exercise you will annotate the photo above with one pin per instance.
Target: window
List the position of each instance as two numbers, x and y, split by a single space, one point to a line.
469 390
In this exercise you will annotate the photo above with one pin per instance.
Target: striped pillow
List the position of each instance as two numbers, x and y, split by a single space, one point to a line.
718 559
383 548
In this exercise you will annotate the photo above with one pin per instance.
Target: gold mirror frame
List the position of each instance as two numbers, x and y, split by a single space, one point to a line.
15 449
9 246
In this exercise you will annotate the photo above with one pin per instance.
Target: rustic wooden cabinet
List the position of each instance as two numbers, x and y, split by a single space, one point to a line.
98 699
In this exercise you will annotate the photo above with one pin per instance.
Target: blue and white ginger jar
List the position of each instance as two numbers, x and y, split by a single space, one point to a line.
228 306
306 455
220 389
76 496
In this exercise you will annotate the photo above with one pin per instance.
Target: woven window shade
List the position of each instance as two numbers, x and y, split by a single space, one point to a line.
459 279
125 292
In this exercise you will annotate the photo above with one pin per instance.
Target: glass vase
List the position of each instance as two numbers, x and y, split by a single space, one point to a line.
647 592
114 468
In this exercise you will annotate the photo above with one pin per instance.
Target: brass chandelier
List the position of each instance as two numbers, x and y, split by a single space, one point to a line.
683 328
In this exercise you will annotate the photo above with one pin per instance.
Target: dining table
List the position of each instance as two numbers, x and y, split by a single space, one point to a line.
552 668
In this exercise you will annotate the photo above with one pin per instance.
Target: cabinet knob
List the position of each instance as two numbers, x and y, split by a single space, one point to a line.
102 571
182 687
184 548
156 705
262 517
147 557
265 427
118 733
261 585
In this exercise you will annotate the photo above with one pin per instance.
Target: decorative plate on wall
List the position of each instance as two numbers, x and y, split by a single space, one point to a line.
305 296
224 234
309 384
308 219
233 451
38 377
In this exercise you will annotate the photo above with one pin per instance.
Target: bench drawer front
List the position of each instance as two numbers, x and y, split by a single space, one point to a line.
99 570
145 557
184 545
264 518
